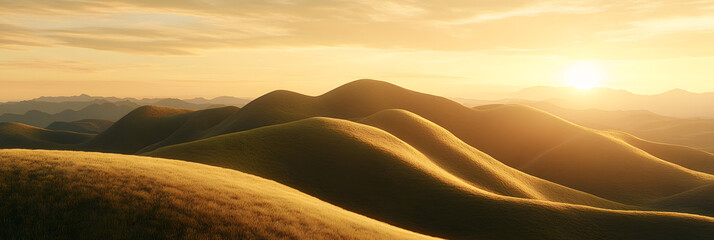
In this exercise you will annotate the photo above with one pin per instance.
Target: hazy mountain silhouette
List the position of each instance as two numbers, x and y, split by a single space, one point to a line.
693 132
111 111
93 126
223 100
46 107
54 105
675 103
106 111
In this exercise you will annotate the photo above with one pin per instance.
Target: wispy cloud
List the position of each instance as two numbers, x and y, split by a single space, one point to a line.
539 8
189 27
58 65
655 27
66 65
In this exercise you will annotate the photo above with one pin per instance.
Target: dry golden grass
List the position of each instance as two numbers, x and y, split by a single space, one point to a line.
17 135
371 172
78 195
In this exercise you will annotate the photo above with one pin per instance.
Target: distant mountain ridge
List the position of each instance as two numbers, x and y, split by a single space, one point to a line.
222 100
96 108
675 102
107 111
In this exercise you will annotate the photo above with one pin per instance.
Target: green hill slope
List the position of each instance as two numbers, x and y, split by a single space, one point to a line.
547 146
142 127
371 172
78 195
17 135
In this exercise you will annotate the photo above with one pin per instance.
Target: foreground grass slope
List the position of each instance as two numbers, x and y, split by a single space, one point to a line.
76 195
371 172
17 135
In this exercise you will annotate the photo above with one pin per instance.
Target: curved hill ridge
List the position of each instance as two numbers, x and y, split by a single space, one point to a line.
144 126
543 141
79 195
17 135
479 169
371 172
92 126
194 126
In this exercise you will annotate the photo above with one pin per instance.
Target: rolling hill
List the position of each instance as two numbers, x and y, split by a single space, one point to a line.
548 147
607 165
194 126
371 172
16 135
92 126
142 127
416 161
78 195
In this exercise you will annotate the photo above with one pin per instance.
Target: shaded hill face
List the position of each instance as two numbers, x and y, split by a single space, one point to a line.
92 126
371 172
142 127
471 165
108 111
194 126
151 127
524 138
78 195
16 135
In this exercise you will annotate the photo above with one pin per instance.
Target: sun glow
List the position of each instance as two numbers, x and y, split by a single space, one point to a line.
583 75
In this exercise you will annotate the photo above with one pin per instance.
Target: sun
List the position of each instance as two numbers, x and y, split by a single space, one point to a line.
583 75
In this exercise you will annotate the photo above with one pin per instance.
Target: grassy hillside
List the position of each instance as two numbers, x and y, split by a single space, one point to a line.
142 127
547 146
194 126
77 195
371 172
92 126
16 135
472 165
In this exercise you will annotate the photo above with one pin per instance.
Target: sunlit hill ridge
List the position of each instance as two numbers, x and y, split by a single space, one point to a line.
366 160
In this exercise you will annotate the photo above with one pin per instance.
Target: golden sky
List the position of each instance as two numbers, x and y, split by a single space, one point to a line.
458 48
